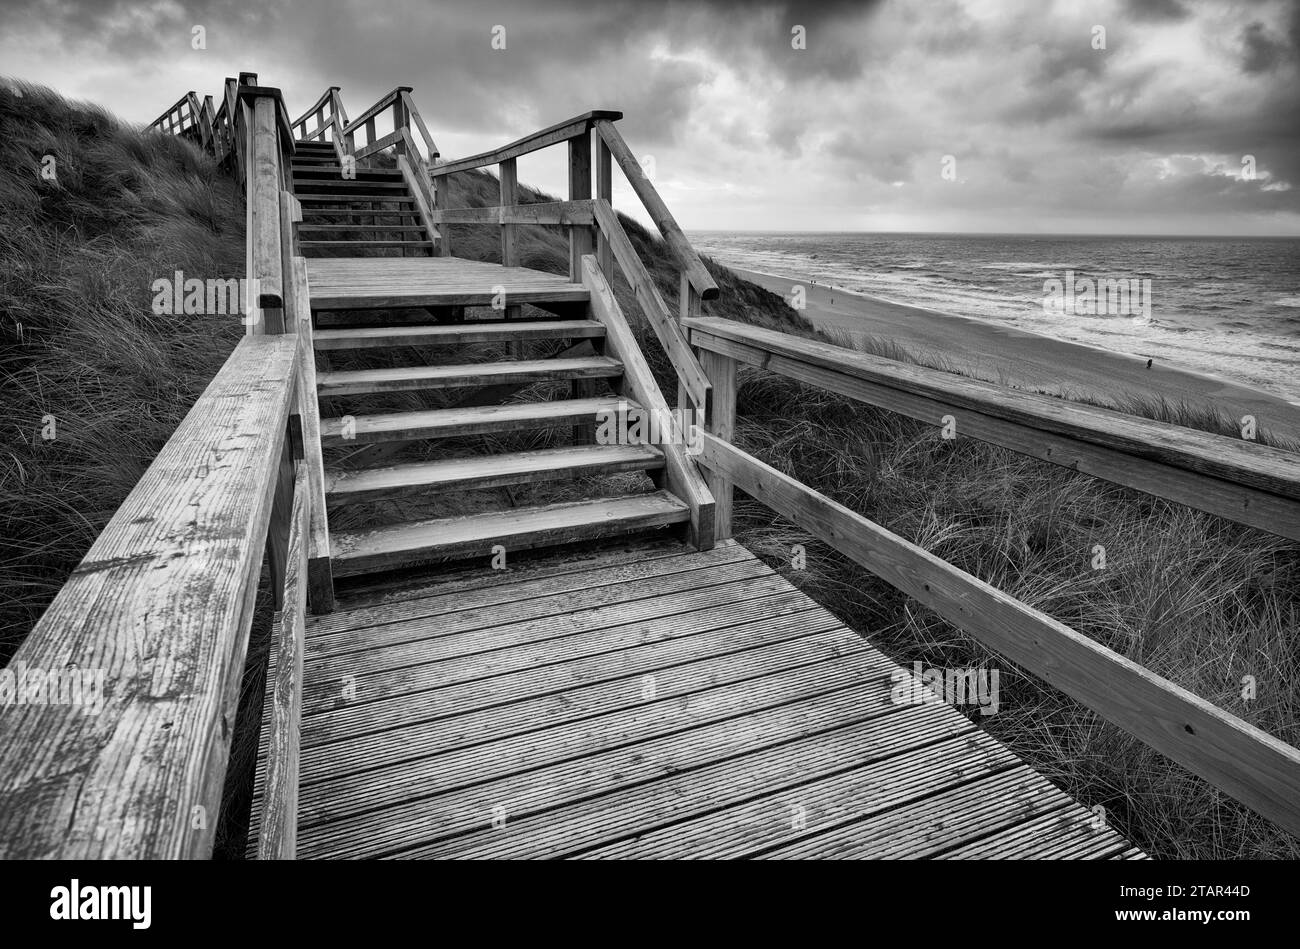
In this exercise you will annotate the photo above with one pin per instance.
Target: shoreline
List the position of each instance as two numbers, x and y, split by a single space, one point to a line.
1016 357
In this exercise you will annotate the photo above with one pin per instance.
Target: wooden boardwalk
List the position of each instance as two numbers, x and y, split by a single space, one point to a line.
650 701
669 696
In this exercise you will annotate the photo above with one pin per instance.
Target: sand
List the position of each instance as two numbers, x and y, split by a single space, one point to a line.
1028 360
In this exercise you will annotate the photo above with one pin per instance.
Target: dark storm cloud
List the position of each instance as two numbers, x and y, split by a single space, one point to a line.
716 92
1262 51
1157 10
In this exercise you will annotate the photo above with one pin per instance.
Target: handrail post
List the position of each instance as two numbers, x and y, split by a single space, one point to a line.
721 371
605 190
400 121
441 202
688 305
508 172
580 242
266 127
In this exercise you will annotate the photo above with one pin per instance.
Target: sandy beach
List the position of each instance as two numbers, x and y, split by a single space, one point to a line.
1028 360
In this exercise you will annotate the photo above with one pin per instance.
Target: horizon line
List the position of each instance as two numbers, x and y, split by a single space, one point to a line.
1134 235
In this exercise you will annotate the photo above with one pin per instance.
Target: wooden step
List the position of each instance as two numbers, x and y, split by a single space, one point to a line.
376 337
469 420
348 185
360 228
517 529
488 471
317 213
514 371
364 244
335 171
349 198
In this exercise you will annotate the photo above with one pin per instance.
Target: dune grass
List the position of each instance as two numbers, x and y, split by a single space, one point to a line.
1199 600
82 356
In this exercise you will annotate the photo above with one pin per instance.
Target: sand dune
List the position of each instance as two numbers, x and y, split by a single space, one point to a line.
1028 360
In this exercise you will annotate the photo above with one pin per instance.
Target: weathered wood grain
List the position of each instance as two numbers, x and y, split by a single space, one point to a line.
278 832
376 282
369 337
162 604
320 579
407 378
518 529
476 472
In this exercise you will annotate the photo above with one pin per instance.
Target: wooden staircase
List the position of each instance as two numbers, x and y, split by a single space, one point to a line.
512 528
352 303
365 212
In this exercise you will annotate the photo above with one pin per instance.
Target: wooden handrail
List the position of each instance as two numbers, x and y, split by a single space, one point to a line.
580 213
687 259
1245 762
552 135
414 114
327 95
161 606
1240 480
656 311
385 102
339 116
174 110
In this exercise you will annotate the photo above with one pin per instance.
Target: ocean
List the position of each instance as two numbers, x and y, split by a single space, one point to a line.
1229 307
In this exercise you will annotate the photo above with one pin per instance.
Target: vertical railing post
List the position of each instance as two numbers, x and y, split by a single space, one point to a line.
605 190
580 242
441 202
721 371
688 305
269 142
509 174
400 121
264 182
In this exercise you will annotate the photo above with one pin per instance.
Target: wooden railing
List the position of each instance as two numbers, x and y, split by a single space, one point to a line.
329 120
594 228
162 605
1243 481
190 119
398 144
213 129
1250 483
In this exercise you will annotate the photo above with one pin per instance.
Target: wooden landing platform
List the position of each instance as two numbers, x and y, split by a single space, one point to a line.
343 283
638 703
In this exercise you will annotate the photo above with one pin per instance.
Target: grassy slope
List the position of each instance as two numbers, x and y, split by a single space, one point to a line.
78 340
1194 598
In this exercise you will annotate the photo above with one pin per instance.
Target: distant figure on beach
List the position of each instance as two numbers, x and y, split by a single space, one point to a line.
1148 363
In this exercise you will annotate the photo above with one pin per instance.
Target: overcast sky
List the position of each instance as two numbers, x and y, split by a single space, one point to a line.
1045 132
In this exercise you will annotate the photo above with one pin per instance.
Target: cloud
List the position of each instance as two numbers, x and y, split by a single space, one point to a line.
749 130
1262 52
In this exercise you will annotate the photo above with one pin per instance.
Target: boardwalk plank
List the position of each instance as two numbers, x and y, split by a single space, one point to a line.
512 717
